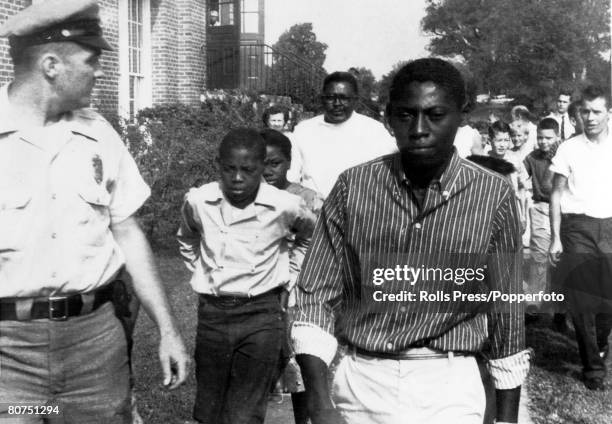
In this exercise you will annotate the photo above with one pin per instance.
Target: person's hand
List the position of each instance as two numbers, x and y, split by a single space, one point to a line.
284 300
554 252
174 360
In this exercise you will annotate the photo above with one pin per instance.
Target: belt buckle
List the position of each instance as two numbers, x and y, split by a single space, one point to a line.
58 308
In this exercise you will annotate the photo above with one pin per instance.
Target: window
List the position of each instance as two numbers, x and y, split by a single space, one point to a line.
250 16
221 13
135 56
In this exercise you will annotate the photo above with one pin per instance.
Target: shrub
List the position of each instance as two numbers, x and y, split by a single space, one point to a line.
175 148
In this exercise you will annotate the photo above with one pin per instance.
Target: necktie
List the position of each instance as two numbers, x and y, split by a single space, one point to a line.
563 127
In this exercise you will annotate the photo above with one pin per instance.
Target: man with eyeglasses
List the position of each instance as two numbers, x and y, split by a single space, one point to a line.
339 138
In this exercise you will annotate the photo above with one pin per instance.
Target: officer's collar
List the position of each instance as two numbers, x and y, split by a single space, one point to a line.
9 123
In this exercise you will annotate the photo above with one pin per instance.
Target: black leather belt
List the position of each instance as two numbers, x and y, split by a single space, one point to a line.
411 353
55 308
230 301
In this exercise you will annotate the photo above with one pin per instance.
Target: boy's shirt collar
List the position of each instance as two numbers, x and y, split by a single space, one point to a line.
266 195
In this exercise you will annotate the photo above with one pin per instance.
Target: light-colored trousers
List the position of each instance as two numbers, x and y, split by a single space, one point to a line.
416 391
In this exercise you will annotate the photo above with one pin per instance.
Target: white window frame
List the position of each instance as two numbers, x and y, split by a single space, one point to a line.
145 98
245 13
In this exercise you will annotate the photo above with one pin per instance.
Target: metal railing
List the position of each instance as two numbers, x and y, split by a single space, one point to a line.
263 69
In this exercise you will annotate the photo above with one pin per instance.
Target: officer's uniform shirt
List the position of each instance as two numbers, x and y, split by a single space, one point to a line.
61 187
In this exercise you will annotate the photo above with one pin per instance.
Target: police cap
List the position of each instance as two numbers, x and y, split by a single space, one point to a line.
54 21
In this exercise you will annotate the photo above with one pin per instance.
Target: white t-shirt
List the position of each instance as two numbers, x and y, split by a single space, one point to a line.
329 149
588 168
468 141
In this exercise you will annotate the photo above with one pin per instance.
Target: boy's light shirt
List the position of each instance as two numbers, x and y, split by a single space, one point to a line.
241 252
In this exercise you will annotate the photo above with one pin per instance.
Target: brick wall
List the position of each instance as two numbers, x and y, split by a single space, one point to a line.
8 8
105 95
178 32
192 63
165 51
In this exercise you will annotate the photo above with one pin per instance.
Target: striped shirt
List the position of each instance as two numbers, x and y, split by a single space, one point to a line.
465 239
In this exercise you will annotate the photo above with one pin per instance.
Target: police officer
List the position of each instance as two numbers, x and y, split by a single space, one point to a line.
68 193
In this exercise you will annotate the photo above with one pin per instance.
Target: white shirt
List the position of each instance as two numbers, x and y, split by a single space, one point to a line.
588 168
329 149
468 141
61 188
294 173
242 252
568 128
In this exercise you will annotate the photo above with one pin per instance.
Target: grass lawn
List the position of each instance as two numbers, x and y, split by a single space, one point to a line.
556 392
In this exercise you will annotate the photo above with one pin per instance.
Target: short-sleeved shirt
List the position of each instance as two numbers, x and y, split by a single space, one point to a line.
537 165
61 188
588 168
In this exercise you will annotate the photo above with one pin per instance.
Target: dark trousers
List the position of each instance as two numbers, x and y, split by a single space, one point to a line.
238 345
585 272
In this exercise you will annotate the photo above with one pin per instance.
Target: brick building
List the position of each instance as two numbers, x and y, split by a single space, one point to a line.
160 48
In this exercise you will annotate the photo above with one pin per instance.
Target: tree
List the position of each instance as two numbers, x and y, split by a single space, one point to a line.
301 41
297 68
368 92
368 87
385 82
523 46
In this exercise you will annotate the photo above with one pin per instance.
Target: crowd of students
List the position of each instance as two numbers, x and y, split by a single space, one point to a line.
263 238
522 150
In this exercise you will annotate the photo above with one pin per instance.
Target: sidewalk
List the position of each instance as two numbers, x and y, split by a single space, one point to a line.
524 408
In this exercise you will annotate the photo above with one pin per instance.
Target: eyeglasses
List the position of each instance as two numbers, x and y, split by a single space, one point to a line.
332 98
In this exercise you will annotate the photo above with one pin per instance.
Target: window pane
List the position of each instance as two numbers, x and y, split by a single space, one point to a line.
250 5
250 22
226 13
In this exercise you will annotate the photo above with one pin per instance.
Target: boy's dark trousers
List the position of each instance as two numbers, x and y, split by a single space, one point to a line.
238 346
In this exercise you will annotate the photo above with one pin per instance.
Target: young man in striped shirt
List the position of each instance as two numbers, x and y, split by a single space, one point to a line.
412 334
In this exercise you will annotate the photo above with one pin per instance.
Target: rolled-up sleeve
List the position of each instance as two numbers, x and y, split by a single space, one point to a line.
322 280
188 235
509 360
560 164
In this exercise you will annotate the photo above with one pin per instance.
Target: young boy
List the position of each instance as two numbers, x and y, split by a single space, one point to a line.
499 135
278 161
519 134
537 165
277 118
234 235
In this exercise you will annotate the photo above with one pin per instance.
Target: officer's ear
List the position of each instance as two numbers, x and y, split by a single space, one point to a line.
50 65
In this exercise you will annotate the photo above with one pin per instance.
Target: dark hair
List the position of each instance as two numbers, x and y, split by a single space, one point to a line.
275 138
573 110
498 127
549 124
345 77
498 165
593 92
434 70
565 92
243 138
274 110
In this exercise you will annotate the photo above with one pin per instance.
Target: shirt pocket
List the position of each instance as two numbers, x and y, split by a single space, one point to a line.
239 248
13 217
93 213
